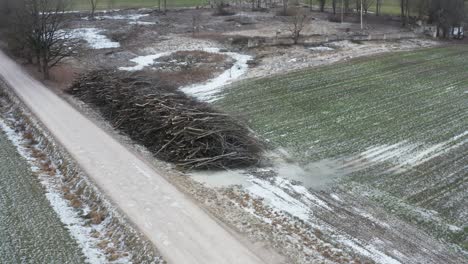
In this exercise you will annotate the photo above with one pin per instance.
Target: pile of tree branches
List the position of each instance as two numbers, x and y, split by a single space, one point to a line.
172 125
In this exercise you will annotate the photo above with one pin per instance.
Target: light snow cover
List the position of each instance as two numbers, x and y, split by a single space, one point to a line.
206 91
321 48
122 17
369 251
94 38
209 90
143 23
67 214
132 17
405 155
144 61
279 199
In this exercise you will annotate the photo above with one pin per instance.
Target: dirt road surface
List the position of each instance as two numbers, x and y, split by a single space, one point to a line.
181 231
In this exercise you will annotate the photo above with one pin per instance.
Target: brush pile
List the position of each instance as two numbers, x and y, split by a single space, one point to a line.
172 125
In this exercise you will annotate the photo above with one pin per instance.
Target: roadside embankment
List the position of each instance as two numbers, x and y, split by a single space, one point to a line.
102 232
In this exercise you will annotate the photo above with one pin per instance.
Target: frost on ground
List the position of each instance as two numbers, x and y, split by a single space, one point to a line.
276 60
209 90
321 48
404 155
69 216
395 140
132 18
122 17
144 61
283 195
94 38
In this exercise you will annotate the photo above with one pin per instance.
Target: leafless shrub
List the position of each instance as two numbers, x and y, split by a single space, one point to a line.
296 25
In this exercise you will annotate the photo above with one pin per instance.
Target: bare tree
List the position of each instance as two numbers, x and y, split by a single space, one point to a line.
378 7
404 11
322 5
39 24
93 7
285 7
447 14
296 25
195 24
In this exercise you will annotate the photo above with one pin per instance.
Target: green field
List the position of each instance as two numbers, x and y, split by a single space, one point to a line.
390 7
398 122
119 4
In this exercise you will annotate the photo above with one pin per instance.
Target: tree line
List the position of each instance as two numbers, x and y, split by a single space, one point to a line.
34 30
445 14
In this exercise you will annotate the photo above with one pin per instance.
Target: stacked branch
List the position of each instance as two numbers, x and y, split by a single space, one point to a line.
173 126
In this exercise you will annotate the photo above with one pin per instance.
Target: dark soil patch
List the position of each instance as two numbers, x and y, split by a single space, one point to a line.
188 67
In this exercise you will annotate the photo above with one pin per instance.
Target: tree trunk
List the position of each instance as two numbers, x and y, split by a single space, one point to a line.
402 7
45 70
38 60
334 6
378 6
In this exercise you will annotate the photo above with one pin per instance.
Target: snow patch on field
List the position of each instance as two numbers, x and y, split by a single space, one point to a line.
144 61
143 23
276 197
94 38
207 91
405 155
133 18
67 214
321 48
122 17
369 251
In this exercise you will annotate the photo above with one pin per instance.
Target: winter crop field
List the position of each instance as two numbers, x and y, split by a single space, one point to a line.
395 125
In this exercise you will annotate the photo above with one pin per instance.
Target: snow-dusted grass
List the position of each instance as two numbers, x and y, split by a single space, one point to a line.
94 38
397 122
68 215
